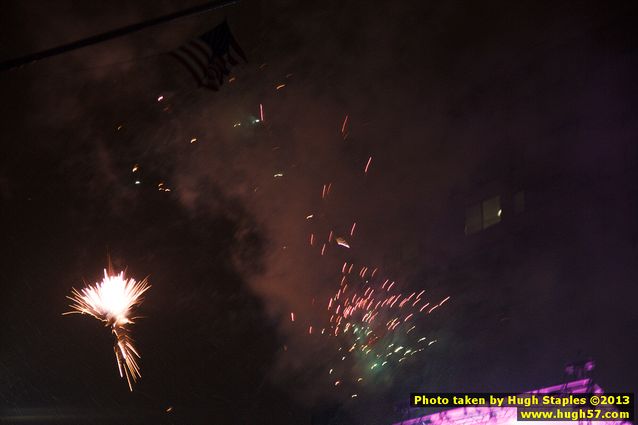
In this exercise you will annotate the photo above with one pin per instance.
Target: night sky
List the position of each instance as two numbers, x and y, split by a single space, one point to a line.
447 102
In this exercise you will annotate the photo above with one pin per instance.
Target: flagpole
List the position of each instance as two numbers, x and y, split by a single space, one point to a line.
109 35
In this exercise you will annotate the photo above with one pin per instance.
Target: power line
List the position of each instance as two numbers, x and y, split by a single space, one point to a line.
89 41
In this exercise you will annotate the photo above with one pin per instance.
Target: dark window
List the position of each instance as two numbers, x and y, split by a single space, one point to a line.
519 202
473 219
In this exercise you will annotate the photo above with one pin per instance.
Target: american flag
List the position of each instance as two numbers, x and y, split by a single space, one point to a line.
210 56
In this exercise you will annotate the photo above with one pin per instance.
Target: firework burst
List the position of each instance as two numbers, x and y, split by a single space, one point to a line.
374 324
112 301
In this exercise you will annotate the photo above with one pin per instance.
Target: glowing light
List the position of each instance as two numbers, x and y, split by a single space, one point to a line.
112 301
160 98
280 86
193 140
342 242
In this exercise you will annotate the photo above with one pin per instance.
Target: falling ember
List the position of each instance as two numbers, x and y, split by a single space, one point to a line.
343 126
193 140
280 86
261 112
112 301
160 98
367 165
352 228
342 242
135 168
292 316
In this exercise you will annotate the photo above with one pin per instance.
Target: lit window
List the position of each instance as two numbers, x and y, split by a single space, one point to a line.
483 215
491 211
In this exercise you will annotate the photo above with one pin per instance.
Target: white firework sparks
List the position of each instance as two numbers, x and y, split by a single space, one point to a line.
112 301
